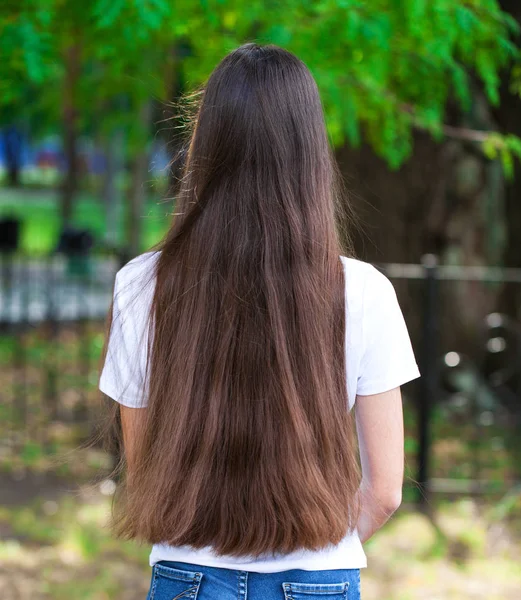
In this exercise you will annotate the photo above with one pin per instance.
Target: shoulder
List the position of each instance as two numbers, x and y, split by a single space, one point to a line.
365 278
138 265
135 270
136 278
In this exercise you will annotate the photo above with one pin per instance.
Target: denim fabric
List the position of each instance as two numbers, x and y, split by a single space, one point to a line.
186 581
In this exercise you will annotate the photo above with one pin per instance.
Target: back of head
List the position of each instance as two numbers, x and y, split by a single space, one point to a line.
247 444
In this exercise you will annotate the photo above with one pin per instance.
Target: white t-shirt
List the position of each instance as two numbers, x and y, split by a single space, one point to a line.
379 357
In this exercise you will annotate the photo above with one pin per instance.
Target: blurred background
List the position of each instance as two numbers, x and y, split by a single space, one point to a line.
423 107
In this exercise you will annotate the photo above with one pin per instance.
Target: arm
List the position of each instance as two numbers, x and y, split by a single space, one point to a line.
130 418
379 424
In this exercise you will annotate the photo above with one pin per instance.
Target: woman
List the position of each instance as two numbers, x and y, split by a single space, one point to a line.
237 349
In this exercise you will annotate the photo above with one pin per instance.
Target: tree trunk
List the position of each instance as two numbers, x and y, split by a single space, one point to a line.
70 132
508 115
173 91
137 194
511 297
113 149
13 154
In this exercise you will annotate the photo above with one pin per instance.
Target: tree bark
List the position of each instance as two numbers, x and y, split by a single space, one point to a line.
70 132
137 194
113 150
173 91
508 115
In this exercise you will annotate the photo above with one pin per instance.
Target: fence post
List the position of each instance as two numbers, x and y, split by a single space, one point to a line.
50 391
429 370
19 321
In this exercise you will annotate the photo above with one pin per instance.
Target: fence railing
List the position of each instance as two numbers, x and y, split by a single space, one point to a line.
453 377
460 416
52 313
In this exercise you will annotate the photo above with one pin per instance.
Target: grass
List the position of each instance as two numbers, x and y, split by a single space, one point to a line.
465 554
64 549
58 375
38 211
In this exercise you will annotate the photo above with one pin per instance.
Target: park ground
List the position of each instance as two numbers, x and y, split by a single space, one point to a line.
55 543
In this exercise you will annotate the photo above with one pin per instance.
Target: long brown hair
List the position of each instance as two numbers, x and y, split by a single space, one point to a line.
247 444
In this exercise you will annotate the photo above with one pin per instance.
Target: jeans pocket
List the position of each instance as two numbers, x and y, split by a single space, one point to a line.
174 584
315 591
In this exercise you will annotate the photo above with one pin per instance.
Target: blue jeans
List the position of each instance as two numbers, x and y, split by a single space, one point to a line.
186 581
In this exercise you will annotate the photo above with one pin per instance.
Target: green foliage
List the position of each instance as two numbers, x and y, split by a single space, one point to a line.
383 67
504 147
515 84
30 453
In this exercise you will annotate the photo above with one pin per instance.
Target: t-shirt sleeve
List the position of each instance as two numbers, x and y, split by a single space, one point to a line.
388 359
123 371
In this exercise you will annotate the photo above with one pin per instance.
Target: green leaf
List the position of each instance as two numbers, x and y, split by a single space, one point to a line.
507 162
374 61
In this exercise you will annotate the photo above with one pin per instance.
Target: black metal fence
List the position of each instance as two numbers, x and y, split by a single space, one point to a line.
52 314
462 416
465 411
